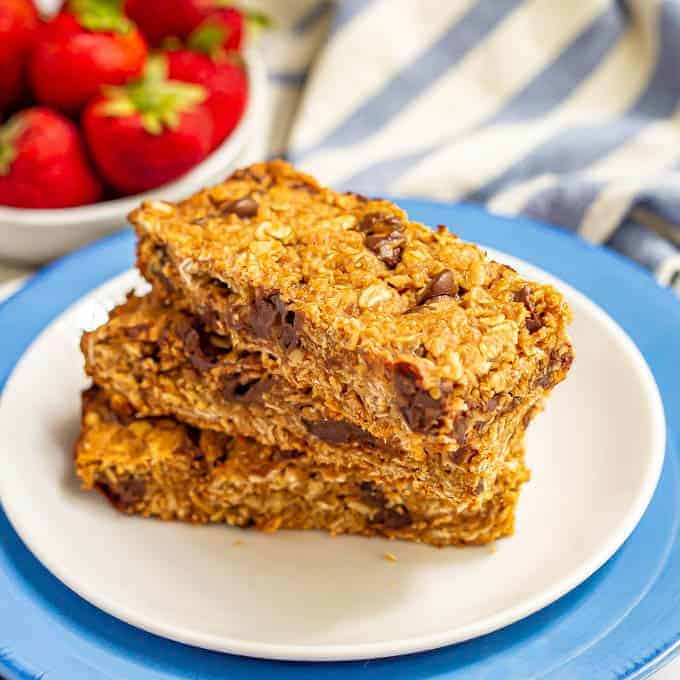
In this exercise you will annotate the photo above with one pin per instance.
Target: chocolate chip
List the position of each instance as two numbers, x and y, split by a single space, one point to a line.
271 319
388 249
279 455
244 208
533 321
458 456
380 223
244 174
209 318
161 256
90 397
292 323
442 285
463 454
420 410
339 432
479 488
523 295
384 237
421 351
305 186
246 392
125 493
135 331
199 359
533 324
460 427
491 404
562 361
202 354
545 381
397 517
370 494
263 317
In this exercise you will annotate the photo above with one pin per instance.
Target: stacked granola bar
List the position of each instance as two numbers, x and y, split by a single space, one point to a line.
314 359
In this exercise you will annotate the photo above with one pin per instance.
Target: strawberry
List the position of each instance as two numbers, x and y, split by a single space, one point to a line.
90 43
18 24
149 132
43 163
161 19
224 79
223 27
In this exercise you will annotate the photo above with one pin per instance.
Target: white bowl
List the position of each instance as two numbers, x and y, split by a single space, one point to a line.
34 236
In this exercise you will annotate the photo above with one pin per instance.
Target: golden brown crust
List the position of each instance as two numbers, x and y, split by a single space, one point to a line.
165 362
410 333
158 467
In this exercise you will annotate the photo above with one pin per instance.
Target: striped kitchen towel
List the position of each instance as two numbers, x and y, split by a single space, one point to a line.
568 112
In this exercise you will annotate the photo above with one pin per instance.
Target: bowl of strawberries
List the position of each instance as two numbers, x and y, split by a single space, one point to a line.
105 103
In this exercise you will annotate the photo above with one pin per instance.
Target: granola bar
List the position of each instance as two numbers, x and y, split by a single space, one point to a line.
411 334
159 467
165 362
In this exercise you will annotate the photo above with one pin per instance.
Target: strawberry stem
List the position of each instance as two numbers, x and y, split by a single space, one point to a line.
102 16
158 101
208 38
9 134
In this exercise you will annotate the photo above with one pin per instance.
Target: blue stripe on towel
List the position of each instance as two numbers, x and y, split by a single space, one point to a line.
566 204
663 198
294 79
377 111
642 244
347 10
576 62
576 148
556 82
311 17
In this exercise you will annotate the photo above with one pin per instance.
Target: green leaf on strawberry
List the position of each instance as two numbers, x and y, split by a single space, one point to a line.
158 100
9 133
222 31
101 15
208 38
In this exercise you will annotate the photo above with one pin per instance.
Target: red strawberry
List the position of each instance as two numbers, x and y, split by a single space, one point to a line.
223 78
43 163
149 132
223 27
18 24
87 45
160 19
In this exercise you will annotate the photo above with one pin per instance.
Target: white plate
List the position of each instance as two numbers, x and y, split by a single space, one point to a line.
596 455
